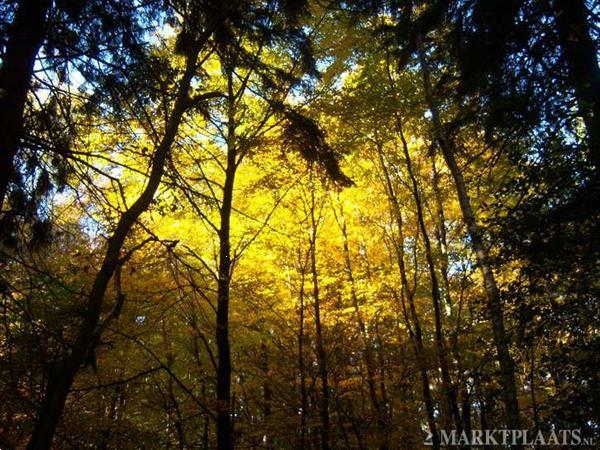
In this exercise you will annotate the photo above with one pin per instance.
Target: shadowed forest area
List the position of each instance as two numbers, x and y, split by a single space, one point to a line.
280 224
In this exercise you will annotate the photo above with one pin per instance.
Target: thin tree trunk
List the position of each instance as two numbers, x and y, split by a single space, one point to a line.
442 239
483 422
62 378
224 406
385 401
343 418
115 405
407 293
320 347
584 74
382 387
442 244
367 344
171 401
534 404
507 367
448 386
301 364
25 37
206 427
267 393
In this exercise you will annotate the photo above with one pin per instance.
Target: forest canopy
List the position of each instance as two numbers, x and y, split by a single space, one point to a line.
298 224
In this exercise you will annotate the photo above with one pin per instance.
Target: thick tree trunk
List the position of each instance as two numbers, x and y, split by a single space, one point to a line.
62 378
581 54
507 367
25 37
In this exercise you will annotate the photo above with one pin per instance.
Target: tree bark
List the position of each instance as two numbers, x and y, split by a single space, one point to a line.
62 378
507 367
25 37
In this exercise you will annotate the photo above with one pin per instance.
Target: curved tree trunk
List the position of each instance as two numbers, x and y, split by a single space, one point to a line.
62 378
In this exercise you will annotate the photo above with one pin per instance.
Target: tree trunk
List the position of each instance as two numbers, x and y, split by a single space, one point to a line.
442 240
584 74
507 368
448 386
415 334
115 405
206 424
62 377
534 404
320 347
367 344
224 406
386 410
25 37
267 393
442 244
301 365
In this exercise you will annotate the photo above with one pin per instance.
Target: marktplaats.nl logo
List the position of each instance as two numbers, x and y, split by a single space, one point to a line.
511 437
